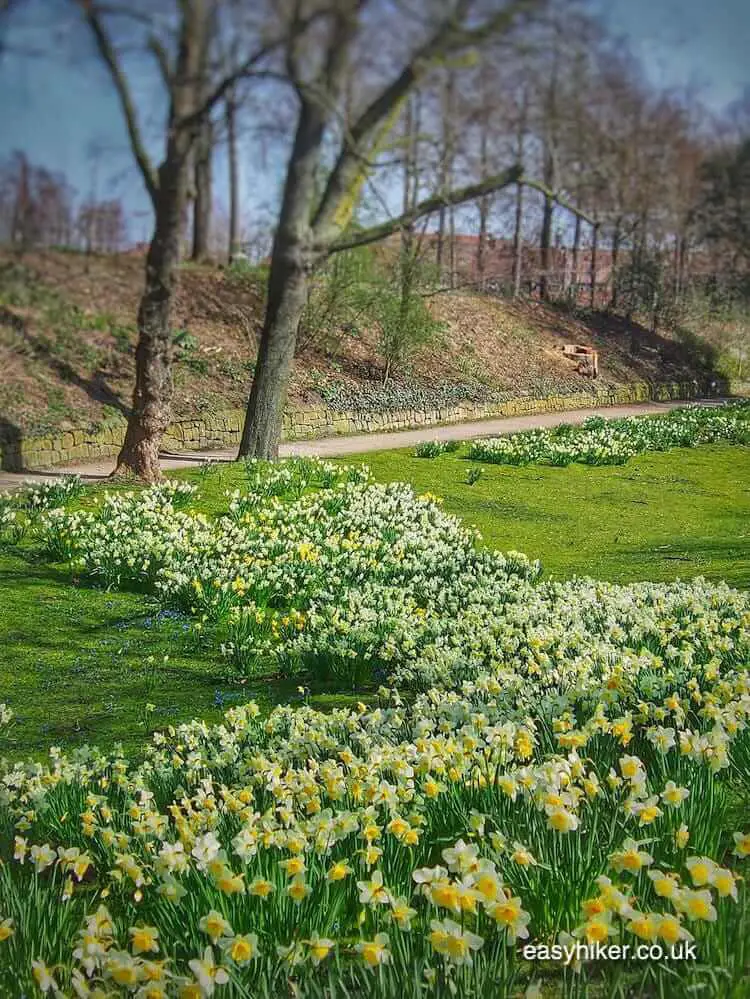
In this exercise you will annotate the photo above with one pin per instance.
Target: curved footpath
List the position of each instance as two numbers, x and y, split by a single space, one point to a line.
331 447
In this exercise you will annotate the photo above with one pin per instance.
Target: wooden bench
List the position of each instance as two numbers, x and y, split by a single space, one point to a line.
586 358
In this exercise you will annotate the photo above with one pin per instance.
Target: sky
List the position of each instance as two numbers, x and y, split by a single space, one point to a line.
682 42
61 107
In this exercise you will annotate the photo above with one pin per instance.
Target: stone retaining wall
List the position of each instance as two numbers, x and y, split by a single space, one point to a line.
222 430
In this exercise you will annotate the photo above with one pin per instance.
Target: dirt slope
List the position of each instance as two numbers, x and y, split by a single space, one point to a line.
67 336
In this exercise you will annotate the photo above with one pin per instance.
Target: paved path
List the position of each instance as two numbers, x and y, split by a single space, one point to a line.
331 447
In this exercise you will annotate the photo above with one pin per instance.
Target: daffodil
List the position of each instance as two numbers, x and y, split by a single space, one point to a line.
241 948
144 939
741 844
298 889
453 942
319 948
697 905
214 925
701 870
630 858
207 973
338 871
374 952
372 892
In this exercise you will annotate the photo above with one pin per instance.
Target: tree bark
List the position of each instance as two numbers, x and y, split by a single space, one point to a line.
287 297
680 254
152 396
452 245
518 243
484 213
234 197
576 255
445 173
616 239
549 139
202 206
517 231
594 246
545 243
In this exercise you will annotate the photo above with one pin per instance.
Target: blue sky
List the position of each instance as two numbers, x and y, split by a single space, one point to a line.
681 42
56 108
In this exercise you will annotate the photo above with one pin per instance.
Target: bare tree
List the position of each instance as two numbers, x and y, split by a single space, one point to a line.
203 191
183 63
230 103
36 205
101 226
520 130
311 225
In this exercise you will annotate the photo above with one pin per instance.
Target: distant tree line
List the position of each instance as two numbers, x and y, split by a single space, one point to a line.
38 209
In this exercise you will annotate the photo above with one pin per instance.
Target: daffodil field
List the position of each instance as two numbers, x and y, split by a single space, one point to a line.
534 765
600 441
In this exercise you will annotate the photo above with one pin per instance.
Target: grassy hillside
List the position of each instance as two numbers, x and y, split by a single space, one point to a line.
67 338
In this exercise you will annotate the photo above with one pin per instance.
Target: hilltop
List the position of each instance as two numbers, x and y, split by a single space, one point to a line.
67 339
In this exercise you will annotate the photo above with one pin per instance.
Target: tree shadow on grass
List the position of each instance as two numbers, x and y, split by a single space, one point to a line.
713 557
96 658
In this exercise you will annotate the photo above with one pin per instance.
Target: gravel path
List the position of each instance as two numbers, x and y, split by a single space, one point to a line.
331 447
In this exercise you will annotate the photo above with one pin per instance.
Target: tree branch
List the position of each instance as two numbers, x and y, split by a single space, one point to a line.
457 197
449 36
108 54
557 198
162 58
225 85
247 68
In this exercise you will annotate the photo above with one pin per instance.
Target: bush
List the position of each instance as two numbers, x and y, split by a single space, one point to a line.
431 449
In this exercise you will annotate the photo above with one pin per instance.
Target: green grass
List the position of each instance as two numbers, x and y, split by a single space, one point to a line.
678 514
82 665
75 661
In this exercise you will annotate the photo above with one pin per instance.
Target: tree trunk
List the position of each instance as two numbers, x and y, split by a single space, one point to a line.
518 243
287 296
576 255
293 261
549 140
517 231
545 243
594 245
152 396
234 173
445 171
440 244
203 190
680 253
452 244
484 212
616 239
